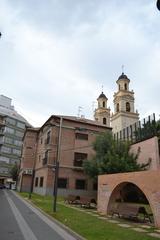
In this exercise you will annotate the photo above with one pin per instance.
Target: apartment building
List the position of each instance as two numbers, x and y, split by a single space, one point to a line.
39 155
12 127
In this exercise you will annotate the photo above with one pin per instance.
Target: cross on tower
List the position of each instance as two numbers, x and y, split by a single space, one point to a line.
102 88
122 68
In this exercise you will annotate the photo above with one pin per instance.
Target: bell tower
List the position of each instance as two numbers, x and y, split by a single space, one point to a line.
124 113
102 113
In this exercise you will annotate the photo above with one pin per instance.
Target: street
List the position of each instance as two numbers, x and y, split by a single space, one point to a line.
21 221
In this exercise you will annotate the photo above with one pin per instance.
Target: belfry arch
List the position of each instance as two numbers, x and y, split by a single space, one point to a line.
109 187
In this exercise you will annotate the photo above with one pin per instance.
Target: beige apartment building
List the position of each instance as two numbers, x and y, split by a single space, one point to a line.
40 148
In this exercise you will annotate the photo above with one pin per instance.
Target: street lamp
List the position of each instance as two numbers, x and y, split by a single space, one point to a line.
0 34
57 166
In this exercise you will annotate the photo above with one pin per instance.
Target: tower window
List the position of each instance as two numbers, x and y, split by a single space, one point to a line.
128 107
104 121
119 87
125 86
103 104
117 107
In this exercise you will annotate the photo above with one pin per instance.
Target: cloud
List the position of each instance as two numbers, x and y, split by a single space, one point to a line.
56 55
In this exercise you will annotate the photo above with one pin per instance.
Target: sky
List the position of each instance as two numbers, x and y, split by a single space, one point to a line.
55 55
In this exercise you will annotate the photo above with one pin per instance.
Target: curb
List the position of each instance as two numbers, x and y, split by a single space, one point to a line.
64 227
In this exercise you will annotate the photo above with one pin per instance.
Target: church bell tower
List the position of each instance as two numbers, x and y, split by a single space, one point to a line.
124 113
102 113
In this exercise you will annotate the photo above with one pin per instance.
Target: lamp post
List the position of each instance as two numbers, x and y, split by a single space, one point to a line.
0 34
57 166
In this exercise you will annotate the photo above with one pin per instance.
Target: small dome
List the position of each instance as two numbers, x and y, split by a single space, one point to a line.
123 76
102 95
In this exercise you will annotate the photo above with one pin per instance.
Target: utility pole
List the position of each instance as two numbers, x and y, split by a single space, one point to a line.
57 166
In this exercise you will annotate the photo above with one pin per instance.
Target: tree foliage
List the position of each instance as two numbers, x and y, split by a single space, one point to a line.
112 157
14 172
148 130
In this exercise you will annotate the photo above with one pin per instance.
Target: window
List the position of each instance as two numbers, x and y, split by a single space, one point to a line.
81 136
39 158
11 121
36 182
45 159
21 125
19 134
80 184
6 149
18 143
117 110
125 86
104 121
79 158
4 170
8 140
17 152
62 182
41 182
128 107
4 159
48 137
103 104
9 130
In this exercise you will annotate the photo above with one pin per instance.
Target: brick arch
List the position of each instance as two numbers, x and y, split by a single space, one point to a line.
147 181
116 194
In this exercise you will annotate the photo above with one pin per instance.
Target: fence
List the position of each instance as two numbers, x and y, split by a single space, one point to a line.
139 131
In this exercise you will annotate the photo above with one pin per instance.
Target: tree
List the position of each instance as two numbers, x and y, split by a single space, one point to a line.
14 172
112 157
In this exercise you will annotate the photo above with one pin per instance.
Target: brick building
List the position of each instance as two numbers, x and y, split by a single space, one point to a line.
40 153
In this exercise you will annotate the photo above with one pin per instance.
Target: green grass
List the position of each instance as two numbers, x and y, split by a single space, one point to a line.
88 226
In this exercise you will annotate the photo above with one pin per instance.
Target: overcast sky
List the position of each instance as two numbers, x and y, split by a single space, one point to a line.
55 55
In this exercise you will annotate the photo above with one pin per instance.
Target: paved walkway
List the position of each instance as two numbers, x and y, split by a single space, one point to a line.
138 227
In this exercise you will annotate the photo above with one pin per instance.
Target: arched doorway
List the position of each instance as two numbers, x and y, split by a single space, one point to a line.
130 194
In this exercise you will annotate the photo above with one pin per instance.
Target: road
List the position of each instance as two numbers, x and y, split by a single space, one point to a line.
21 221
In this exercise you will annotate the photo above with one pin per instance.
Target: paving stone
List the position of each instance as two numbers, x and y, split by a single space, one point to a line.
124 225
139 229
145 226
103 218
157 230
95 215
113 221
154 235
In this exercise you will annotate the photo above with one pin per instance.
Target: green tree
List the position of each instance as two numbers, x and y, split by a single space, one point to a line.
14 172
112 157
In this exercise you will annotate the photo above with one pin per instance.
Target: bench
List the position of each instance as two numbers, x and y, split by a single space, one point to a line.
72 199
87 202
125 210
130 211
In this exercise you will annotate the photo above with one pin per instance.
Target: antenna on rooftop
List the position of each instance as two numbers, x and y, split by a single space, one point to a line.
79 111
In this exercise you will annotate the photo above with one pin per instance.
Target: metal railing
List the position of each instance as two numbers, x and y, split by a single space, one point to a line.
139 131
